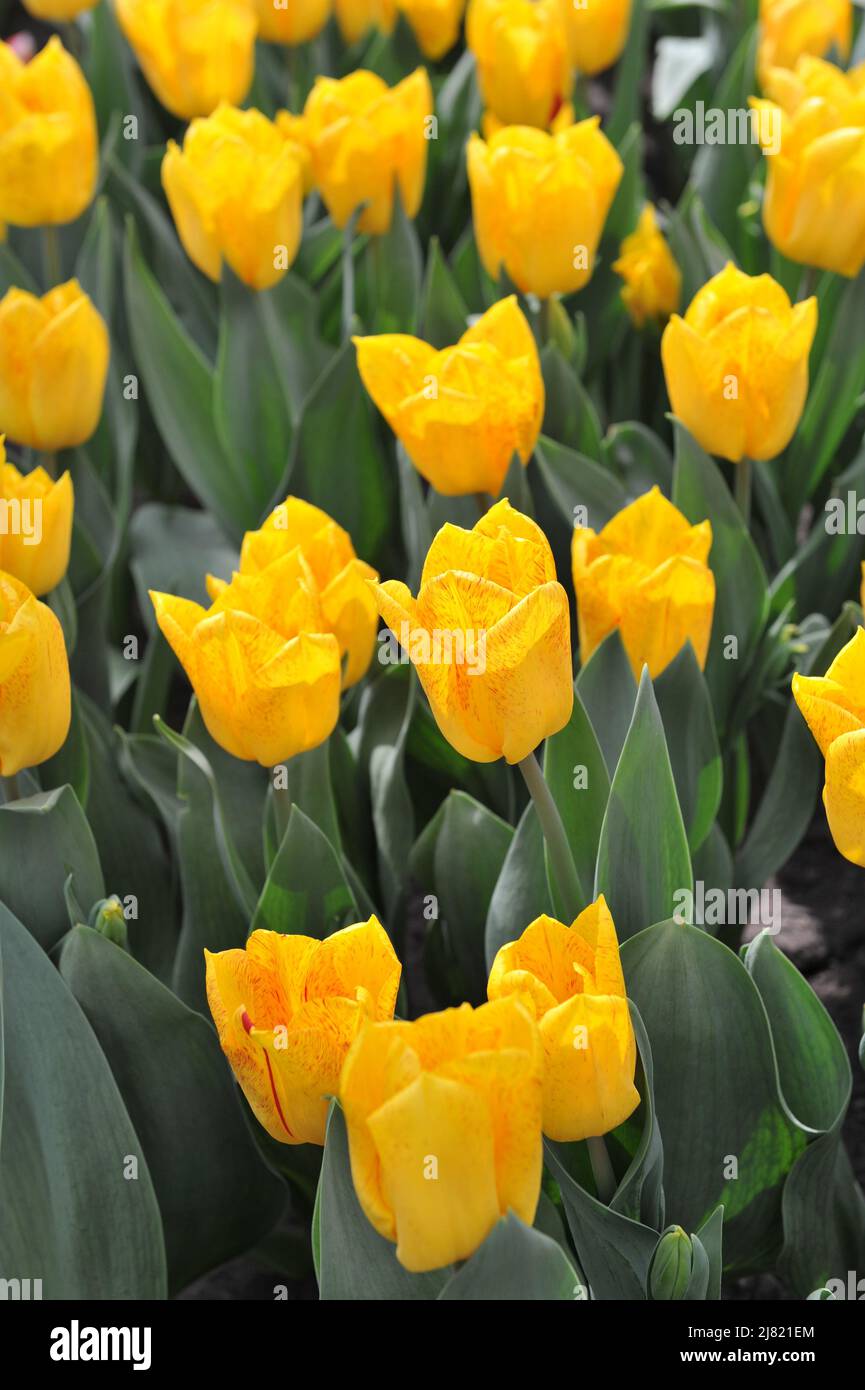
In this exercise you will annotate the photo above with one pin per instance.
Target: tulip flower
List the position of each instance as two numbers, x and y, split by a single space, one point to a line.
489 635
596 32
646 574
444 1128
540 202
291 21
570 979
737 365
790 29
834 709
464 412
58 11
355 17
48 140
35 525
364 137
35 694
323 565
522 61
53 366
672 1266
653 281
267 680
436 24
193 53
812 210
287 1009
236 192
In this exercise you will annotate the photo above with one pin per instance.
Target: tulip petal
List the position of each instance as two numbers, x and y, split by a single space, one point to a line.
844 795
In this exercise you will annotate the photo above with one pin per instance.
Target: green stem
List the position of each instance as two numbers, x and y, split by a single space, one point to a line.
561 859
347 278
11 789
282 804
49 463
744 472
52 264
602 1169
545 320
808 283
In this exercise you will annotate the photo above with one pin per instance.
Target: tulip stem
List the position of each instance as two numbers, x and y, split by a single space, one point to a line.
808 283
11 790
744 472
602 1169
282 804
52 264
347 277
561 859
545 320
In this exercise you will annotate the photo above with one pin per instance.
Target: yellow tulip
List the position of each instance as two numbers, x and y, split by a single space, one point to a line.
287 1009
444 1128
653 281
737 365
58 11
48 142
814 207
834 709
489 635
291 21
236 192
35 695
267 680
364 137
540 202
464 412
645 573
325 565
193 53
53 366
35 525
570 979
791 28
597 31
435 23
355 17
522 61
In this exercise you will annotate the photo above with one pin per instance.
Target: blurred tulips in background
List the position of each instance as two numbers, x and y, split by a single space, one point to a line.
737 365
436 24
291 21
570 979
645 574
596 32
53 366
35 696
540 202
461 1091
194 53
48 140
287 1009
520 50
653 281
58 11
790 29
489 636
235 190
461 413
356 17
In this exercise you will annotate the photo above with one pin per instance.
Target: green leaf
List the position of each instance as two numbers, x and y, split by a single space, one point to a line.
727 1137
640 1193
385 720
469 854
515 1263
390 274
70 1216
306 891
692 742
627 99
643 857
583 491
522 891
570 417
44 839
180 1097
741 599
608 691
70 765
417 533
443 312
576 774
354 1261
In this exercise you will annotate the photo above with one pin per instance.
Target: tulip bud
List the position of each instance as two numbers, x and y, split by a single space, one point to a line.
540 202
364 137
670 1270
194 53
48 139
653 281
35 694
35 525
461 413
736 365
236 191
53 367
107 917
